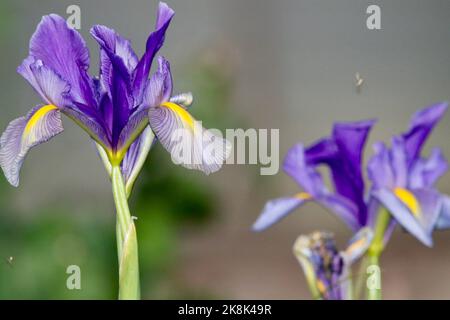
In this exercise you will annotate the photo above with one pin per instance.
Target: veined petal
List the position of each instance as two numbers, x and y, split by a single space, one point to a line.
154 43
403 213
277 209
63 50
189 144
159 87
41 124
50 86
422 123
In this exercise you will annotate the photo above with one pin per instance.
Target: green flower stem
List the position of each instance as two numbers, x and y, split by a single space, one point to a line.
375 250
126 240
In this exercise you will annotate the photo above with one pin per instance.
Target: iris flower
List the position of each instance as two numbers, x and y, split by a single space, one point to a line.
404 181
327 270
122 110
342 153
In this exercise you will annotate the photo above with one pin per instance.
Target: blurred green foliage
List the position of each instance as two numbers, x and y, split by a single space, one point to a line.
37 248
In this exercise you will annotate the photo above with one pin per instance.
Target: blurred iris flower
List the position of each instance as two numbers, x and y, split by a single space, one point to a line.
327 270
122 110
342 153
404 182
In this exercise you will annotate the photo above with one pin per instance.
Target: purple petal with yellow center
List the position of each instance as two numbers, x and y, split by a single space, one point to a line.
189 144
22 134
416 211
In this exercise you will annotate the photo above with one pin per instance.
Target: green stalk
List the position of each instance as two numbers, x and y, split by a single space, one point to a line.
127 249
375 250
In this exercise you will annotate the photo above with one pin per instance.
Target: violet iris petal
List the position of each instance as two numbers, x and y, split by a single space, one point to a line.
422 124
343 154
154 43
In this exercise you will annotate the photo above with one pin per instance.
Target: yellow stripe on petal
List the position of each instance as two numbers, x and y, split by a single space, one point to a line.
303 196
38 116
409 200
181 112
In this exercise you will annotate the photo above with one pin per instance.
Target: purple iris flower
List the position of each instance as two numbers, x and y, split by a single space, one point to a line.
404 181
327 270
122 110
342 153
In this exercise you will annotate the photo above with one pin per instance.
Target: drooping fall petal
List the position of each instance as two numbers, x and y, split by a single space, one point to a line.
38 126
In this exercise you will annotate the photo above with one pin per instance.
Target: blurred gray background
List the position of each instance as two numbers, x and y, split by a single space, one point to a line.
291 65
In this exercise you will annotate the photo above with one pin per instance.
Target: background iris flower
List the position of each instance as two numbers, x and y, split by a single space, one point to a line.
404 182
122 111
342 153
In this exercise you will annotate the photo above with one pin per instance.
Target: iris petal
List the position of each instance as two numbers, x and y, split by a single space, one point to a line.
50 86
154 43
159 86
443 221
422 123
189 144
429 204
135 157
277 209
38 126
63 50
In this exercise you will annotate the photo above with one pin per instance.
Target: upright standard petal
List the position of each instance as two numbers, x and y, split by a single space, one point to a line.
154 43
422 123
443 221
189 144
118 81
350 139
41 124
112 44
49 85
63 50
159 86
